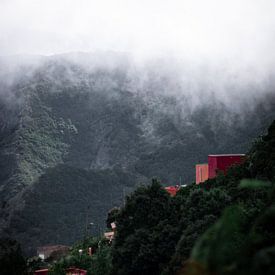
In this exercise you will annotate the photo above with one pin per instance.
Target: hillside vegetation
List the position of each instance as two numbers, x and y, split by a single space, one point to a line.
224 226
74 140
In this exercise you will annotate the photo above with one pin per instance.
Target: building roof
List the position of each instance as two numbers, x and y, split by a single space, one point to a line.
226 155
41 270
75 269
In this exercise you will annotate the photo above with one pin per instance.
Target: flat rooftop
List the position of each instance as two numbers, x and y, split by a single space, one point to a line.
226 155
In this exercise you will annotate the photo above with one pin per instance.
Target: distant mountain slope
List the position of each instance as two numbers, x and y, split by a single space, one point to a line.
72 138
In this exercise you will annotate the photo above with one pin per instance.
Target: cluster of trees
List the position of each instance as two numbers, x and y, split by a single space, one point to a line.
12 261
223 226
99 263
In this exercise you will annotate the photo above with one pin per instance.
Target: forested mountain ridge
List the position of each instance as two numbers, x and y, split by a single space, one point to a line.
73 139
222 226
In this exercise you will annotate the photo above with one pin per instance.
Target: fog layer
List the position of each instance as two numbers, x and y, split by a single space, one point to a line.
195 49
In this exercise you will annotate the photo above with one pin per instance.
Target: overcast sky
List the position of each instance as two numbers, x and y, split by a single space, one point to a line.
205 28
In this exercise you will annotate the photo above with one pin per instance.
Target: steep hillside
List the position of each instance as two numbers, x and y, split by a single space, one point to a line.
74 140
222 226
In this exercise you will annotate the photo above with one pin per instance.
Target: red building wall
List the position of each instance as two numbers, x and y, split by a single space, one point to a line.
218 163
172 190
201 173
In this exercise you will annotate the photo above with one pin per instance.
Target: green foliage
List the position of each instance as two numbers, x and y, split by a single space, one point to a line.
254 184
224 225
12 261
34 263
238 243
97 264
221 244
242 240
262 156
102 261
112 217
146 232
65 197
156 232
200 210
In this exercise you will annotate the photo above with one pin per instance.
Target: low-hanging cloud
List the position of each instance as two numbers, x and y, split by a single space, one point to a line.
216 47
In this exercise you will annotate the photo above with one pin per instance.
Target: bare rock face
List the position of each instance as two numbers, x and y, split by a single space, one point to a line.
74 140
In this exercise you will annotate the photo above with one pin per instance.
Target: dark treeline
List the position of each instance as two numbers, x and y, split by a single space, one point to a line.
223 226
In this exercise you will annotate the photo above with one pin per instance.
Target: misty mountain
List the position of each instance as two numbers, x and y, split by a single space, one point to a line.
79 132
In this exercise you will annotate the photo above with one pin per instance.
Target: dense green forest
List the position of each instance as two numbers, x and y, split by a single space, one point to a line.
224 226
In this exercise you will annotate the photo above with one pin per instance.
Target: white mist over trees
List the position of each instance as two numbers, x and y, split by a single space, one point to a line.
192 84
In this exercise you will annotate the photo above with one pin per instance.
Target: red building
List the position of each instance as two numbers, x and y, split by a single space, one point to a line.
221 163
201 173
75 271
41 272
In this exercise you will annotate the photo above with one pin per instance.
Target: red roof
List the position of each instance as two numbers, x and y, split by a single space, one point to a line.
227 155
172 190
41 272
75 271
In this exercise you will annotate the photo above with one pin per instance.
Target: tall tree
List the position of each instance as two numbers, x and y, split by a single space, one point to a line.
12 261
147 232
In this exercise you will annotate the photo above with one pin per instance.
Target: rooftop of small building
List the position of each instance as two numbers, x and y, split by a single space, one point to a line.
74 269
227 155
